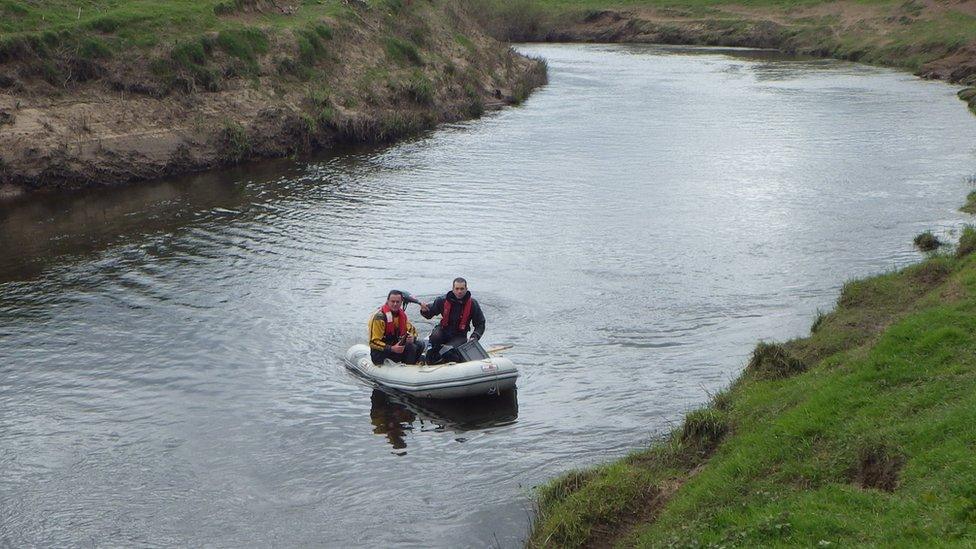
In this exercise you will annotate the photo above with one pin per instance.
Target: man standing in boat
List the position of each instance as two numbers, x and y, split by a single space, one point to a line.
391 335
459 311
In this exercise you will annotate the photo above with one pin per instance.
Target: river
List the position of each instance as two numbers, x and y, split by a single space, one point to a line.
170 367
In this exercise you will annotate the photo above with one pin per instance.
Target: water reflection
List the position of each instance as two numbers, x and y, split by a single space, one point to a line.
393 415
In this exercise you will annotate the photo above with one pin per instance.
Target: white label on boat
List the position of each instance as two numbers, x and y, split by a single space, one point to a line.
488 367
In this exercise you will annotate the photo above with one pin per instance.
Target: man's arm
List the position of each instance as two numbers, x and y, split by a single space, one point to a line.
435 308
478 319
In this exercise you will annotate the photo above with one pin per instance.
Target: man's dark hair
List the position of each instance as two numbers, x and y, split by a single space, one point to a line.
461 280
397 292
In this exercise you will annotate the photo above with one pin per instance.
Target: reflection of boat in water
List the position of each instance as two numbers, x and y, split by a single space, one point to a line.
393 414
486 376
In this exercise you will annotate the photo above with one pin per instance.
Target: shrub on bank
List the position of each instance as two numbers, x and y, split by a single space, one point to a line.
967 241
970 206
704 428
773 361
927 242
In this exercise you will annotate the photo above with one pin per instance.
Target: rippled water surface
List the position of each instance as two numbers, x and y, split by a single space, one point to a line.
169 353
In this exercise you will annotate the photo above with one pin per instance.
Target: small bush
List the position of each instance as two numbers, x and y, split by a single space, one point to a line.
464 42
246 43
14 9
310 46
878 466
967 241
401 51
106 24
818 321
234 143
22 47
970 206
420 89
93 48
476 107
190 53
927 242
773 361
290 66
704 428
323 31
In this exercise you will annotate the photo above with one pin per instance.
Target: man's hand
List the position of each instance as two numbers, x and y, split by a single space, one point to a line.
424 307
398 348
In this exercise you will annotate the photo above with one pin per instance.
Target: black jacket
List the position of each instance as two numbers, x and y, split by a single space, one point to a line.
457 305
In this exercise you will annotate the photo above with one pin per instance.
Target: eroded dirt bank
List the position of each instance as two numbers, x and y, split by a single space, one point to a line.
73 118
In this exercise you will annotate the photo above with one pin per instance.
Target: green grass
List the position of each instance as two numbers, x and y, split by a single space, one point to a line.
870 445
124 25
970 206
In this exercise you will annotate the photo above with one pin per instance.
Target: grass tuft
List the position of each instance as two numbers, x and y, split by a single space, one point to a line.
967 241
402 51
970 206
246 43
420 89
927 242
233 143
773 361
878 466
704 428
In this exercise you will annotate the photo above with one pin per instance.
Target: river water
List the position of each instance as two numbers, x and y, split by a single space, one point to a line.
170 367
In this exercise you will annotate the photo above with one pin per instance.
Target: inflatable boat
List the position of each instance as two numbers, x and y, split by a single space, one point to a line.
486 376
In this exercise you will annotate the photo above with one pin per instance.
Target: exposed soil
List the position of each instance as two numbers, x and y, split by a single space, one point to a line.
878 468
116 124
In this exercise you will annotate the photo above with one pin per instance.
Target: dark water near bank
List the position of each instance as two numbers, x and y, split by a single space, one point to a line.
169 353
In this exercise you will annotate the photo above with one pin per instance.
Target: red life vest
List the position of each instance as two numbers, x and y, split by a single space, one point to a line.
465 315
401 325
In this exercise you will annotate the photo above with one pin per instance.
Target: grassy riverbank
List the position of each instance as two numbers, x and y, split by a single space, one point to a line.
861 433
935 39
106 91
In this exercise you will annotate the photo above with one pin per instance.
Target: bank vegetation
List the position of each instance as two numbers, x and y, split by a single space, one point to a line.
859 434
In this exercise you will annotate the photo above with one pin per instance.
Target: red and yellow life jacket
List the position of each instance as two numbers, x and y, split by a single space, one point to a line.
465 315
394 331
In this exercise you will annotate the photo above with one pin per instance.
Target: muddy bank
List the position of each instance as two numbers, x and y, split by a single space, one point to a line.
369 73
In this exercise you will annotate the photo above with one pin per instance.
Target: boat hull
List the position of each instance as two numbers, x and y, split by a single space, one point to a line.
443 381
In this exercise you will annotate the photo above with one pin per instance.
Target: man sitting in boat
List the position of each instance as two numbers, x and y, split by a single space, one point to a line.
391 335
458 312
